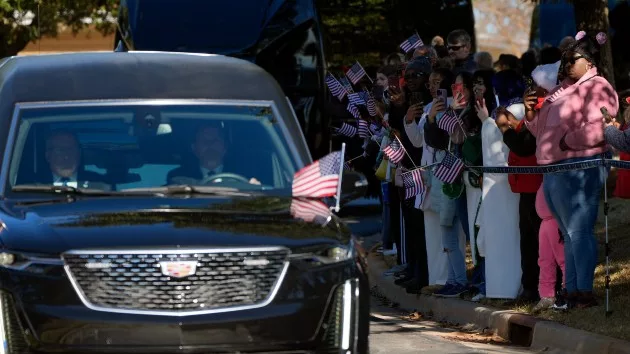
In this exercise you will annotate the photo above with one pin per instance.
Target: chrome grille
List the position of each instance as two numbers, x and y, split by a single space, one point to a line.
156 282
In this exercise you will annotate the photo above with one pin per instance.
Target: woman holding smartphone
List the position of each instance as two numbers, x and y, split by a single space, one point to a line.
568 128
439 80
452 209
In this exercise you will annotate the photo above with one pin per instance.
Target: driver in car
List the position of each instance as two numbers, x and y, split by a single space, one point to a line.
209 148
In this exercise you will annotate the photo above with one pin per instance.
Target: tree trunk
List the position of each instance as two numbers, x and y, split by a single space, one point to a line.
592 17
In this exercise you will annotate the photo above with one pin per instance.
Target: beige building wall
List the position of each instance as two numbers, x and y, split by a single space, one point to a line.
502 26
86 40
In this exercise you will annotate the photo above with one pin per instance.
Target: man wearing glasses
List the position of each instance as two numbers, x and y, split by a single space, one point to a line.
459 48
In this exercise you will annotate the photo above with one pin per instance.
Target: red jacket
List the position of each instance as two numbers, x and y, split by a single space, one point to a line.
523 183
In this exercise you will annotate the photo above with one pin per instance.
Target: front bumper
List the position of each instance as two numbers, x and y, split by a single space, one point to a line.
317 310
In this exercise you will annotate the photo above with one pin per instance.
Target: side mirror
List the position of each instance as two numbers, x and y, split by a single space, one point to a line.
354 185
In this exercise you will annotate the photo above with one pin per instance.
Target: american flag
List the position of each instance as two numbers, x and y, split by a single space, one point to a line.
363 130
347 130
394 151
356 98
449 121
346 84
449 169
353 110
411 43
370 103
335 87
319 179
310 210
356 73
413 183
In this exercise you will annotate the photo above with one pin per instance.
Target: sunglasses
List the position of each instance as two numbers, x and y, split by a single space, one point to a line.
455 47
573 60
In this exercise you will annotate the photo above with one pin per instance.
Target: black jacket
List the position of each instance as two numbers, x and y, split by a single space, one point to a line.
522 143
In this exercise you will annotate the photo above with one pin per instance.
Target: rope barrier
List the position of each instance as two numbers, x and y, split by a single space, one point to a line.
543 169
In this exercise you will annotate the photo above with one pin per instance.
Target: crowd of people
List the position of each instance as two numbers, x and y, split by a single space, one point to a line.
438 107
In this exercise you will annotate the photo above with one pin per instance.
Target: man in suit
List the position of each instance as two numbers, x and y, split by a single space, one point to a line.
64 159
210 149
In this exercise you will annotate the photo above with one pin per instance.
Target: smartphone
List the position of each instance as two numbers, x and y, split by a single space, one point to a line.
394 82
458 94
416 98
479 96
606 115
443 96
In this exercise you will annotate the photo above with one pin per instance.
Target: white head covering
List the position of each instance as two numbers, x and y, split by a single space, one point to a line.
546 76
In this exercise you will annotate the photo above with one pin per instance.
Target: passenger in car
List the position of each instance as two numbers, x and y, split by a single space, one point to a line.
64 159
209 148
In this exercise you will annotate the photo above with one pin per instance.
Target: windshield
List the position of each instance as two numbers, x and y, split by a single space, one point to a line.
117 147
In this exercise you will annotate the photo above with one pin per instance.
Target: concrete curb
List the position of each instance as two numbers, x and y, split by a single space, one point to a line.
519 328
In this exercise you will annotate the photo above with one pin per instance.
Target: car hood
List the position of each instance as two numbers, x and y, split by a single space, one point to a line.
116 222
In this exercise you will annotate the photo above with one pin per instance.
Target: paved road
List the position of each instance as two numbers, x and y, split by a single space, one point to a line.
391 334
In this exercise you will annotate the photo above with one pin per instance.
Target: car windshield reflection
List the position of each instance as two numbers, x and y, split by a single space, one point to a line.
143 147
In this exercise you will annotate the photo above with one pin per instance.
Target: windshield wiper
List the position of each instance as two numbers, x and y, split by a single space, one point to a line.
186 189
37 188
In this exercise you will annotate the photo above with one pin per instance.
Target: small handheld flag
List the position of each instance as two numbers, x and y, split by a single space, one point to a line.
356 73
449 169
411 43
413 183
449 121
394 151
335 87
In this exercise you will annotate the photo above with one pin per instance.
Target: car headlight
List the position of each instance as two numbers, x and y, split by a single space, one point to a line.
324 254
6 259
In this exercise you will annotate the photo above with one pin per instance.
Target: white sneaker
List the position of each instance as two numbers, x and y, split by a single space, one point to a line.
478 297
392 252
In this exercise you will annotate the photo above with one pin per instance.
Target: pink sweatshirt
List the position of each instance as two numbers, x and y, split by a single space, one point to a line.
573 111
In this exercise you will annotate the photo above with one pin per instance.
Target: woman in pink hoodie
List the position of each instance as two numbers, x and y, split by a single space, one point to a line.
568 128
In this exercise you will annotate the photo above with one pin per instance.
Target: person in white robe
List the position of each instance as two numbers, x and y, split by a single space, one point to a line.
498 219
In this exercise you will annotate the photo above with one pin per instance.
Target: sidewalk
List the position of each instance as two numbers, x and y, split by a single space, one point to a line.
518 328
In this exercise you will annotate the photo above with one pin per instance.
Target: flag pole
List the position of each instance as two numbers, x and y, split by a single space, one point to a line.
338 196
406 153
366 74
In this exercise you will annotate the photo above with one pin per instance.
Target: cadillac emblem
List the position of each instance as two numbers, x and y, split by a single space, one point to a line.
179 269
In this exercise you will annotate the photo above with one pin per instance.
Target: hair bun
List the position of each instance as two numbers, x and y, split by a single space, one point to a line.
580 35
601 38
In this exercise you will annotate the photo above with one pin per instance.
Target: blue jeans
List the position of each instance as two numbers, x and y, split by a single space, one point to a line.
573 198
462 213
456 260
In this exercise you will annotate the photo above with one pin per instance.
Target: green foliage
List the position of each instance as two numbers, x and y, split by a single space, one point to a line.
26 20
